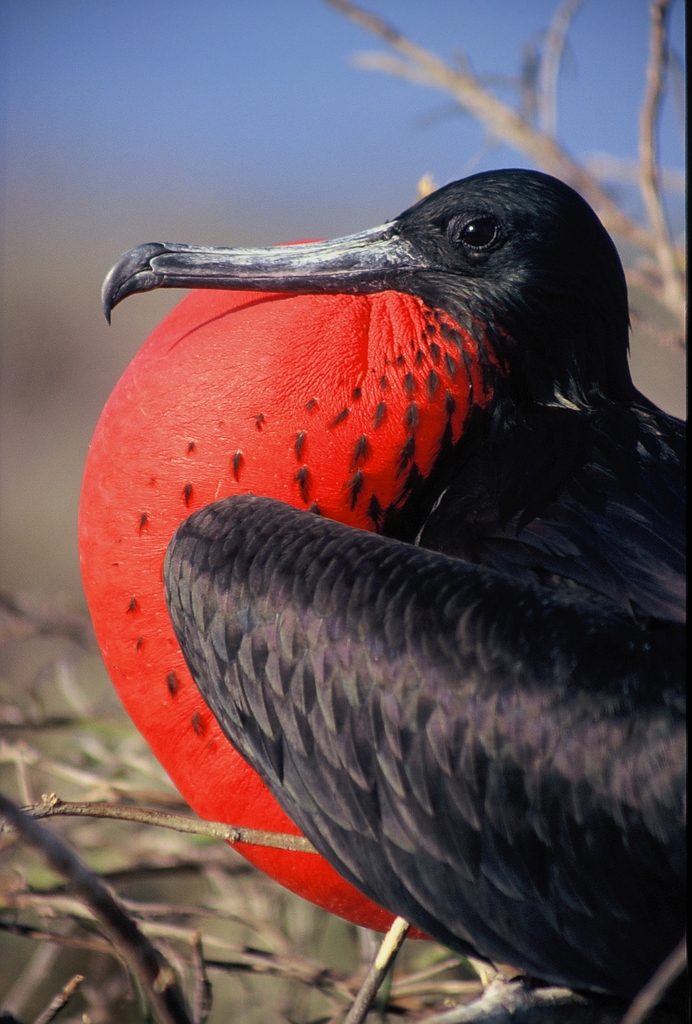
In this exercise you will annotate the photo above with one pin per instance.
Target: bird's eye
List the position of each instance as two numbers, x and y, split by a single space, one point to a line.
476 234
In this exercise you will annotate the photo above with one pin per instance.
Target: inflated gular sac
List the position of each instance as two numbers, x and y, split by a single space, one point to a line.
227 397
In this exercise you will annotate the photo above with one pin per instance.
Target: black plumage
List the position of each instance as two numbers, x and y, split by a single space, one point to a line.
500 763
482 730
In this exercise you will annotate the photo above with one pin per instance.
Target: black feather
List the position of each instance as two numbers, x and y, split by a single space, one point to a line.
484 733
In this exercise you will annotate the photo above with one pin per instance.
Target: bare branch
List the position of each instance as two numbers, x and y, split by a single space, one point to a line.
51 807
650 184
611 168
426 68
56 1004
232 958
9 752
391 944
95 944
503 1001
550 65
653 991
155 978
330 983
423 67
405 989
36 972
201 1007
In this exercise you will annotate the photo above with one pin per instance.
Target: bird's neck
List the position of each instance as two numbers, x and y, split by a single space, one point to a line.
514 461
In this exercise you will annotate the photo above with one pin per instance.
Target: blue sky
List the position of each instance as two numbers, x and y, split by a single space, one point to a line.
255 110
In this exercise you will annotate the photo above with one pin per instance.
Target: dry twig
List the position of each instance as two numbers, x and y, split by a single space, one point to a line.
427 68
61 999
92 945
201 1005
51 806
386 955
652 993
155 978
416 64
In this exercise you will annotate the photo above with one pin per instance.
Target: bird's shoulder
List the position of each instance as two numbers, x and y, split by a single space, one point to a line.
578 499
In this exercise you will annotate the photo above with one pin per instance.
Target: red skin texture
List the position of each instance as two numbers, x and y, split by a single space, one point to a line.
248 372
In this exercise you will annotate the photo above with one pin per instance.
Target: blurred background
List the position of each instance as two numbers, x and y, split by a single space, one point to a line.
224 122
231 123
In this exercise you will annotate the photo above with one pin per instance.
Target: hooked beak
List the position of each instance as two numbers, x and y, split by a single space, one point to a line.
371 261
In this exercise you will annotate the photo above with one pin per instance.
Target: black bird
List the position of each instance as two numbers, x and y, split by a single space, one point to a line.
476 715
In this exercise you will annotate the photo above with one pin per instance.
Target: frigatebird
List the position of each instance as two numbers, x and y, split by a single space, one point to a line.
473 706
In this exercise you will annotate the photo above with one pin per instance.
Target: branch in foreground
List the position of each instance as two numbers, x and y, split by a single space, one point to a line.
503 1001
156 979
652 993
386 955
95 944
56 1004
235 958
51 806
202 998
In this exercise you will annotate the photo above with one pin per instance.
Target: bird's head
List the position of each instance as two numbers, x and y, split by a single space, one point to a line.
524 257
516 257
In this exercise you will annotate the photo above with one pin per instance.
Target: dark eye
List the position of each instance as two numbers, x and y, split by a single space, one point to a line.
479 233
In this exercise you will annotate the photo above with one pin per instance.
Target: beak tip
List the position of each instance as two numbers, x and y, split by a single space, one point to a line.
132 273
108 300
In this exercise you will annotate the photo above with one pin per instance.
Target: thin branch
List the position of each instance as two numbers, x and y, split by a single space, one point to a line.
550 65
607 167
331 984
93 945
391 944
229 956
60 905
11 718
56 1004
653 991
502 1001
401 990
156 979
235 958
426 973
51 806
201 1004
35 759
650 184
425 68
37 971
